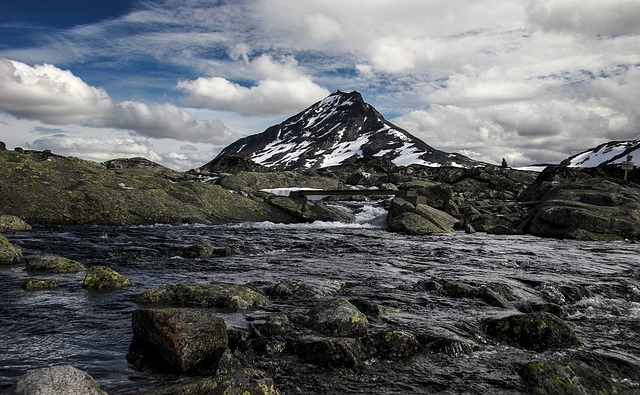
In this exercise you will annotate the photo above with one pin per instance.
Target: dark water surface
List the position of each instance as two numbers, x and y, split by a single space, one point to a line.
92 330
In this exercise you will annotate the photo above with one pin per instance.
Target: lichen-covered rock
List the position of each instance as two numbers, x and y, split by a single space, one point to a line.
395 344
186 339
330 351
245 381
37 284
338 317
52 264
102 277
224 296
420 219
271 325
56 380
574 378
9 253
11 223
533 331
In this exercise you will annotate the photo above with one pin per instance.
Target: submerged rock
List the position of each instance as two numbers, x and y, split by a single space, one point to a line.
56 380
9 253
244 381
52 264
205 250
224 296
338 317
36 284
11 223
101 277
185 339
533 331
395 344
489 296
330 351
565 378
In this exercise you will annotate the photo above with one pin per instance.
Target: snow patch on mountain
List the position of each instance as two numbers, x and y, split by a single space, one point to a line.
614 152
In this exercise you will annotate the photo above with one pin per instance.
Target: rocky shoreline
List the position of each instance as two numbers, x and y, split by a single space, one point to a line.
583 204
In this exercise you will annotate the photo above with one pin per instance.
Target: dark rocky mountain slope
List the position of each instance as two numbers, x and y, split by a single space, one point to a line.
338 130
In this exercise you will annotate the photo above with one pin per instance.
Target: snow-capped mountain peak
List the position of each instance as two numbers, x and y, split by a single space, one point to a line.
339 129
613 152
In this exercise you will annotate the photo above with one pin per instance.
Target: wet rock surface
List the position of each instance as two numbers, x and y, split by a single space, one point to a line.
9 253
56 380
104 278
52 264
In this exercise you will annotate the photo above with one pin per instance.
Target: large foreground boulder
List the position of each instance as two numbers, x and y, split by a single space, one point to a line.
9 253
56 380
185 339
224 296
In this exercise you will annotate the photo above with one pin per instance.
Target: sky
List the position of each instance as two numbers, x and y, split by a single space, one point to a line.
175 81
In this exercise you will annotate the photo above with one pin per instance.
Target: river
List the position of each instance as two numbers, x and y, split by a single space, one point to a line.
92 330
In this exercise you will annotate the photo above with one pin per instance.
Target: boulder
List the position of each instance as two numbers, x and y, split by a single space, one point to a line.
52 264
11 223
37 284
449 344
9 253
330 351
224 296
461 290
185 339
306 211
271 325
538 331
102 277
338 317
420 219
56 380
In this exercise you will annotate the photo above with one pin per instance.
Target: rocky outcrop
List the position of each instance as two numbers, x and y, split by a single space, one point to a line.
56 380
305 211
11 223
185 339
420 219
52 264
9 253
118 192
576 205
224 296
102 277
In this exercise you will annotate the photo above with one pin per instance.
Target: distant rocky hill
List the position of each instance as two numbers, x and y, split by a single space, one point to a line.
613 152
338 130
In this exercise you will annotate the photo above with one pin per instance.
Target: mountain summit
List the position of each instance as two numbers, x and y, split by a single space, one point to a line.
339 129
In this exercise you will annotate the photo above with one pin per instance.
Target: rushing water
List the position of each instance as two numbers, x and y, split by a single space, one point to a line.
92 330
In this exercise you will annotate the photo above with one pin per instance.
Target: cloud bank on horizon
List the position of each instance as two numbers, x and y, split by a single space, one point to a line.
175 81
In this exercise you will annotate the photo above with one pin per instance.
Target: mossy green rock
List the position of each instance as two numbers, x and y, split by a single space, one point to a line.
554 378
224 296
127 192
52 264
102 277
35 284
538 331
9 253
395 344
338 317
243 381
11 223
420 219
461 290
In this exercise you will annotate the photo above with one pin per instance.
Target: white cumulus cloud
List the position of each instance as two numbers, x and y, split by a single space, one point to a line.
281 89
